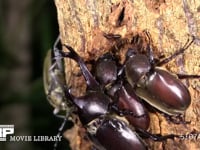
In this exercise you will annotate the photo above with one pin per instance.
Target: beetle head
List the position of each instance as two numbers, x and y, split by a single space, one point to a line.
106 69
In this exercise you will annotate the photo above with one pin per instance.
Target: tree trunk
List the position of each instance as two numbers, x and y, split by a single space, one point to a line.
83 23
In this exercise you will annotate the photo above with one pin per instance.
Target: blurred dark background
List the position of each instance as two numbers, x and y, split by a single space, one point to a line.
28 28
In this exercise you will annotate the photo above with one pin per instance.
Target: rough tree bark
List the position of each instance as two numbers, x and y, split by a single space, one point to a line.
82 24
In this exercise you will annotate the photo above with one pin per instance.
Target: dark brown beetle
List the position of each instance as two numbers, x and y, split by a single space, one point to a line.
107 72
106 130
158 87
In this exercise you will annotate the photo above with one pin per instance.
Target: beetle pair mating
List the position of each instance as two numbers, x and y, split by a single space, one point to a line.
97 109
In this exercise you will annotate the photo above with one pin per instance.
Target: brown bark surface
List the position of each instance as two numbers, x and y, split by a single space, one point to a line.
82 24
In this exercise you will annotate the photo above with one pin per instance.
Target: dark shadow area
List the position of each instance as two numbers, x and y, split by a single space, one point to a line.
28 29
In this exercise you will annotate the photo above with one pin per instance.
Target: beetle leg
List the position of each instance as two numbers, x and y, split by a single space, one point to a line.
56 42
156 137
56 113
179 119
123 112
149 49
56 58
57 63
150 55
111 36
91 82
185 76
121 72
178 52
60 130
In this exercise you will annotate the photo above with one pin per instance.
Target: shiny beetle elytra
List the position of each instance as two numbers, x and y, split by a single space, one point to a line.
107 130
156 86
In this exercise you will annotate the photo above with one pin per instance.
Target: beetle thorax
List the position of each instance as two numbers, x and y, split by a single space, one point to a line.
136 67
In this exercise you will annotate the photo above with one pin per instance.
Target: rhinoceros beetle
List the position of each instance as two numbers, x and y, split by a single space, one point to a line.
95 110
54 81
156 86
